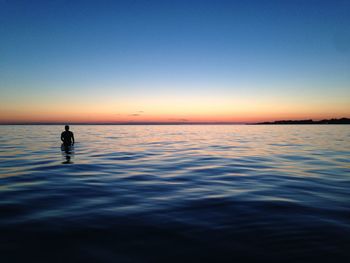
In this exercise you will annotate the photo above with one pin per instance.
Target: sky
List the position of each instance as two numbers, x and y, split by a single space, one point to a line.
174 61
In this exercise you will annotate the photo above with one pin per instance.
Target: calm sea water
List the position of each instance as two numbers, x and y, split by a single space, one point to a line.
210 193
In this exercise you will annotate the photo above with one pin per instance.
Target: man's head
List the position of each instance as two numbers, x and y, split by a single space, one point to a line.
66 127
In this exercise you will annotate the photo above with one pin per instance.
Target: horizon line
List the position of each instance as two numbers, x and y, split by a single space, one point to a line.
123 123
149 122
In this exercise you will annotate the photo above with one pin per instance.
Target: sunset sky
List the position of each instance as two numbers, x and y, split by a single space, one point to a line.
170 61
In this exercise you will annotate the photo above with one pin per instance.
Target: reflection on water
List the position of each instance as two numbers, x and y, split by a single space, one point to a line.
67 152
175 193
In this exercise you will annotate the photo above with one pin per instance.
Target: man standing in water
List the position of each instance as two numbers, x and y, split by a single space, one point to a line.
67 137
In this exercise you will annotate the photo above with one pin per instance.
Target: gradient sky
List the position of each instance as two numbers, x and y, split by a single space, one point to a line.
71 61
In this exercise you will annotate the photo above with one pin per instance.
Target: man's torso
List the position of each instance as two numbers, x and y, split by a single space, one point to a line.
67 137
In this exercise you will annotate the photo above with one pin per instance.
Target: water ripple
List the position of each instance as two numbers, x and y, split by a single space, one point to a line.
175 193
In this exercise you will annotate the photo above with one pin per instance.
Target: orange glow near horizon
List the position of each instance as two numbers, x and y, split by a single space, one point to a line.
170 110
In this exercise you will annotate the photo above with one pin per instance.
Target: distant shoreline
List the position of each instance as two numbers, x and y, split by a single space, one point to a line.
306 122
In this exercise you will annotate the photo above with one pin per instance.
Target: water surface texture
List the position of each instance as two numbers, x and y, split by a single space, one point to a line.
186 193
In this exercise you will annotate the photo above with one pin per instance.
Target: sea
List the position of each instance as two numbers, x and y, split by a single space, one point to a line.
175 193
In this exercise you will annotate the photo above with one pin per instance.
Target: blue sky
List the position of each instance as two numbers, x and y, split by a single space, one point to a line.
290 51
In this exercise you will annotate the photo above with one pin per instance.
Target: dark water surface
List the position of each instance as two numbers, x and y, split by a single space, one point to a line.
175 194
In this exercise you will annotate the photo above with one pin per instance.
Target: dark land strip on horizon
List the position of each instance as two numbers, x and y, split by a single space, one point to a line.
325 121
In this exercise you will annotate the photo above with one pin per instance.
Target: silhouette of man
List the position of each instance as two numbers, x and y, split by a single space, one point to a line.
67 137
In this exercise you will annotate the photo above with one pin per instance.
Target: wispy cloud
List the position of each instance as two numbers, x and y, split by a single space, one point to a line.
138 113
180 119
